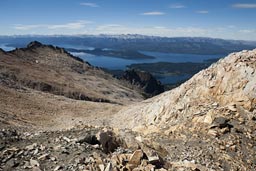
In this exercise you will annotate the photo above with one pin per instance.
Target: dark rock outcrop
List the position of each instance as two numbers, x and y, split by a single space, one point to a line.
34 44
1 51
145 81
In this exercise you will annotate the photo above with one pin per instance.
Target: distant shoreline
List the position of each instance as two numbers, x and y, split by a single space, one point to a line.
125 54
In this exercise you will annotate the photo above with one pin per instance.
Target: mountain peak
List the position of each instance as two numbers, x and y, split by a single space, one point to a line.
34 44
46 51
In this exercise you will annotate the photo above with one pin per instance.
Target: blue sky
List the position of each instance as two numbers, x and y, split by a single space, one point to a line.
229 19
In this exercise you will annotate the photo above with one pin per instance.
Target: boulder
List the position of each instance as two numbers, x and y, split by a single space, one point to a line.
136 157
108 140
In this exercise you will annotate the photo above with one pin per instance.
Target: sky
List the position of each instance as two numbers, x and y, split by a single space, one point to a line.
228 19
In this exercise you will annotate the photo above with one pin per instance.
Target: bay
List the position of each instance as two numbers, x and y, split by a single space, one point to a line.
6 48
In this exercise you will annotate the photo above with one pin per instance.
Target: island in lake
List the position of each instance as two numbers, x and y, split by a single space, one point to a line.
122 53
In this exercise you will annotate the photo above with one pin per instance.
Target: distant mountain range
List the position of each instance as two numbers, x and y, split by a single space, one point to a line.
134 42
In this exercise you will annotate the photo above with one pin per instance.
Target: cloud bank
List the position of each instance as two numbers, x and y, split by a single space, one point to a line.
153 13
89 4
244 6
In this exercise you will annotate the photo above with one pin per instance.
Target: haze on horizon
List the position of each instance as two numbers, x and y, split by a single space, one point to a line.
229 19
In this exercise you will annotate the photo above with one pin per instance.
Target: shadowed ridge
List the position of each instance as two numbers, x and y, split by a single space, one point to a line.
2 51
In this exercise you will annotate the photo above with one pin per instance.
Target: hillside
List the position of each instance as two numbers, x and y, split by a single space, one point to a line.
208 122
46 83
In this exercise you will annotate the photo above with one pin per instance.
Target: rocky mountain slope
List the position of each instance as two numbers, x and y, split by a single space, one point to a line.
208 121
229 82
206 124
45 82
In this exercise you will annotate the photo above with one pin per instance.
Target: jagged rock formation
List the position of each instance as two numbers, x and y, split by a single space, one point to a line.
42 81
208 122
145 81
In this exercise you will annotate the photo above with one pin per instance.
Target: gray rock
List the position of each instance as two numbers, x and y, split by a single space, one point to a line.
136 157
34 163
2 146
31 147
57 168
220 122
12 163
107 140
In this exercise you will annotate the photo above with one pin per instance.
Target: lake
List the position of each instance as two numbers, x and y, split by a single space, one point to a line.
6 48
114 63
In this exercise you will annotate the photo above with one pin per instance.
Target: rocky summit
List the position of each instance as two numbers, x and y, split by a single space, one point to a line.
60 113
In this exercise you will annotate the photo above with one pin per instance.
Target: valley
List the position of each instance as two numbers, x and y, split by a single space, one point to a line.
58 112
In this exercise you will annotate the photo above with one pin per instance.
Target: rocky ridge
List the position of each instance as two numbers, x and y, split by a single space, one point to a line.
228 84
209 120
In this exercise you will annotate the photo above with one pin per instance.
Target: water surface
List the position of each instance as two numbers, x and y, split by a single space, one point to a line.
112 63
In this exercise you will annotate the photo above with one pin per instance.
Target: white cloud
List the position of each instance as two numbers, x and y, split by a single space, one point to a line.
159 27
89 4
27 27
108 27
177 6
247 31
153 13
202 12
71 26
244 5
